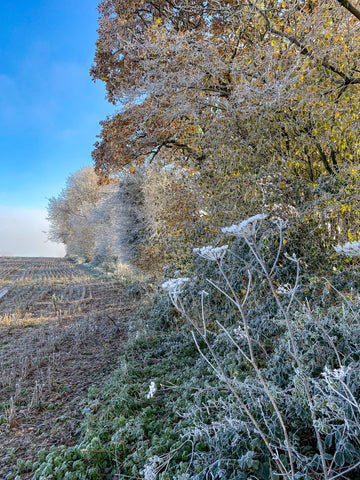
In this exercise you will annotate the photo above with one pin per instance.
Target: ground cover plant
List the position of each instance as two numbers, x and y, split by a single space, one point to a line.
234 375
310 381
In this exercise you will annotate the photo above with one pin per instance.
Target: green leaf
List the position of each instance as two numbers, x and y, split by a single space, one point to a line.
339 459
328 439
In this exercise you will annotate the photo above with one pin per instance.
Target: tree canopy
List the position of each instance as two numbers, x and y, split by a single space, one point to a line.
212 81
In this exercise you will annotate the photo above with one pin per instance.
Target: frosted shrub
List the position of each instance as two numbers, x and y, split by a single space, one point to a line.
300 392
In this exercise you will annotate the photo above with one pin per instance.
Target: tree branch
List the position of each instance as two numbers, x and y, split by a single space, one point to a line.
305 51
324 158
350 8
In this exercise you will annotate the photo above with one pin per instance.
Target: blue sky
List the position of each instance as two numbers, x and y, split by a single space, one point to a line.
49 107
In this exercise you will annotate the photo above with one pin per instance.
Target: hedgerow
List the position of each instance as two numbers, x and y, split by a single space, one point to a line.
211 386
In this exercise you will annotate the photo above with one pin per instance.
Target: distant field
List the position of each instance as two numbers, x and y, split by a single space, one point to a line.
60 331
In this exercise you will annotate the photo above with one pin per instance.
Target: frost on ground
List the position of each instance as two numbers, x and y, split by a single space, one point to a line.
60 332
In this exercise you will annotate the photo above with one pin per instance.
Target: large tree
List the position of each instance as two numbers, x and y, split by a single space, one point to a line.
70 212
257 99
207 80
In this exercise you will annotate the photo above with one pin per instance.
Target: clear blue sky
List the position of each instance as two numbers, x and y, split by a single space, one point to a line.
49 107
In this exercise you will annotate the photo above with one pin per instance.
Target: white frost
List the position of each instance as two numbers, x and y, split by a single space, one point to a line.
246 228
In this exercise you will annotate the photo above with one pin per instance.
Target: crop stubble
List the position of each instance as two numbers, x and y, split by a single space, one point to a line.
61 328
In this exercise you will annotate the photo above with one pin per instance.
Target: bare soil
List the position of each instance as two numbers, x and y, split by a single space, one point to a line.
61 330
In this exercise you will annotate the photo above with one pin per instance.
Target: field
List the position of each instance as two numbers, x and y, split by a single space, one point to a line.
61 328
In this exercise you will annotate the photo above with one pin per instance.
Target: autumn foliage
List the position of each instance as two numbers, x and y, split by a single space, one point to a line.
226 109
200 80
257 100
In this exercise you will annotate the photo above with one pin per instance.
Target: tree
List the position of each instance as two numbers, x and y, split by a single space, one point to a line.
216 78
257 99
99 222
117 221
70 212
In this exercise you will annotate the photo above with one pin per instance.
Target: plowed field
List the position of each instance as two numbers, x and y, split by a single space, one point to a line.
61 328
